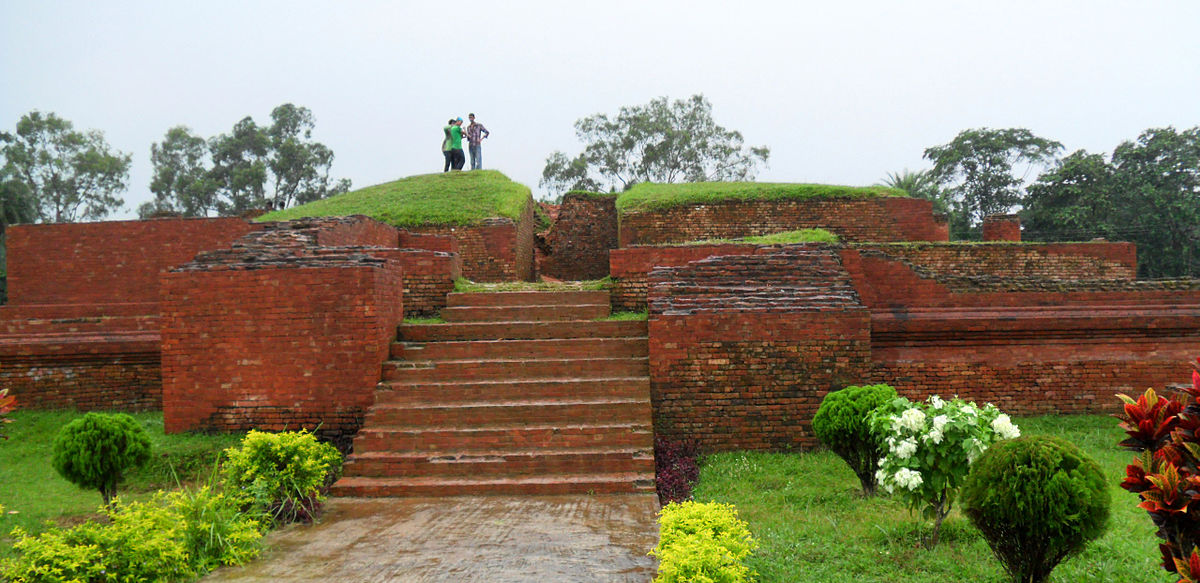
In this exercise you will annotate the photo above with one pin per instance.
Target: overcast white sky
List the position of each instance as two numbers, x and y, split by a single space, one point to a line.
842 92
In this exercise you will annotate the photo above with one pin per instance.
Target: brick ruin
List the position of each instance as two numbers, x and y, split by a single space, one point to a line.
227 324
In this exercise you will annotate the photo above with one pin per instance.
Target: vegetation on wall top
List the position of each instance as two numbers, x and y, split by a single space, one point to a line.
781 238
648 196
451 198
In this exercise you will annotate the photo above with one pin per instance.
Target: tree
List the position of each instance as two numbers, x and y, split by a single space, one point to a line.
16 206
1159 178
94 450
660 141
919 184
977 169
299 166
67 175
240 167
182 182
1077 199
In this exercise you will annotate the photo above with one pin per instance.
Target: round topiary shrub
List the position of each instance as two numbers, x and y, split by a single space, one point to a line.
1037 500
841 424
94 450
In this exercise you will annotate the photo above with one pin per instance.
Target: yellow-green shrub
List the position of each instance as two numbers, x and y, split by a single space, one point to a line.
282 474
702 542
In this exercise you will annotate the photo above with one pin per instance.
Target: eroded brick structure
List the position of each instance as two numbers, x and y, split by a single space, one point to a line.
584 231
497 249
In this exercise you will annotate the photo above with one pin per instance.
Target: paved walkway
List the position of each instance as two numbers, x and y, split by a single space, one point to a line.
493 539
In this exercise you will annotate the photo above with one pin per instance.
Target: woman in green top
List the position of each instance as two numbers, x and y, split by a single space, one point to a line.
457 158
446 145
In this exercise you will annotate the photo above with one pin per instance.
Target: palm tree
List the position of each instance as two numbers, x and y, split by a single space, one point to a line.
919 184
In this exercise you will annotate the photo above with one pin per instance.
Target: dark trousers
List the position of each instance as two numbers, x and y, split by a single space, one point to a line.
457 159
449 158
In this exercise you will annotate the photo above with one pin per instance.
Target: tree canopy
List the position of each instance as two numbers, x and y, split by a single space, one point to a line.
63 175
662 141
251 167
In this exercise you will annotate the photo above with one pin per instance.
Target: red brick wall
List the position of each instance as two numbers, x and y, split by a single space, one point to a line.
488 250
444 243
87 373
578 244
631 266
428 277
1002 228
524 266
277 346
852 219
365 232
96 263
1070 261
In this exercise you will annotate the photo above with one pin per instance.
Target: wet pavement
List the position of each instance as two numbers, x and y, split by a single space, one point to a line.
494 539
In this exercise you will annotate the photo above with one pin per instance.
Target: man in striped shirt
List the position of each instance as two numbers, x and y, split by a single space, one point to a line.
475 135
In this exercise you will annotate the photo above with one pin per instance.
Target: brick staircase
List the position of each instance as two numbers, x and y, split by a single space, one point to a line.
518 393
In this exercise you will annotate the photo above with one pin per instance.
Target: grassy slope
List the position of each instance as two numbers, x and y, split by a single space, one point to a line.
813 527
451 198
648 196
33 493
781 238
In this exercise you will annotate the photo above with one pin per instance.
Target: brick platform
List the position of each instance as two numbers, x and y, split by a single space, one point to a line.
542 401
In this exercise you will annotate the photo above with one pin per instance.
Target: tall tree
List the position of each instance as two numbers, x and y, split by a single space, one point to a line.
919 184
661 141
300 166
1077 199
563 174
68 175
977 170
183 182
240 167
1159 177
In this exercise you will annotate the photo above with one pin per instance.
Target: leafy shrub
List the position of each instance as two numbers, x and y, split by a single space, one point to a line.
675 469
282 474
1166 472
171 537
1037 501
95 449
841 424
702 542
931 447
7 404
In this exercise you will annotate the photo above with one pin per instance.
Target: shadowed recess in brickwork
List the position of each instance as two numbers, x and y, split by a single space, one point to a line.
788 278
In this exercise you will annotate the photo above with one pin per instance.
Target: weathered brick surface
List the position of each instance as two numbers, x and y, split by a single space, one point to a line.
852 219
1058 261
578 243
84 373
428 277
357 232
105 262
631 266
272 345
1002 228
493 249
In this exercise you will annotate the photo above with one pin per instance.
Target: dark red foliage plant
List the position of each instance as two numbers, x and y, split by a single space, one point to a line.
676 469
1165 432
7 404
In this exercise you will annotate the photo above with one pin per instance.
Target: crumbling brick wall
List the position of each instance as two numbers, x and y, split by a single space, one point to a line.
497 249
577 245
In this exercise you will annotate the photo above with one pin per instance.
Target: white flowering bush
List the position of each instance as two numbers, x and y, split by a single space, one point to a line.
930 448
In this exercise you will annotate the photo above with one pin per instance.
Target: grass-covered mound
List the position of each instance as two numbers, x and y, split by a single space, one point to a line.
780 238
448 198
648 196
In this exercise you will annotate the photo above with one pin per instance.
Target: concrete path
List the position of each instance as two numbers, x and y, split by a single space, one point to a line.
493 539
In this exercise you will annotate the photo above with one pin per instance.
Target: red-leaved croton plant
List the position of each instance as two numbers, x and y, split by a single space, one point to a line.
1166 472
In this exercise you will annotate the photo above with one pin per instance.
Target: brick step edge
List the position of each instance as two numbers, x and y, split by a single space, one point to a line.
497 464
543 368
521 330
466 314
509 437
635 346
480 299
566 484
497 391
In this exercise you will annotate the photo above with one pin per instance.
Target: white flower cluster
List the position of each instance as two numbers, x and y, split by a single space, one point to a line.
908 479
904 449
911 419
1004 427
938 431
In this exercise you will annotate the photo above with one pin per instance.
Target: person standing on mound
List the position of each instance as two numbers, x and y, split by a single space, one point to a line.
457 159
446 145
475 135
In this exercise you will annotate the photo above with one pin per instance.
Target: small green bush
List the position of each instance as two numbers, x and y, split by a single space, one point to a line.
282 474
94 450
1037 500
173 536
702 541
841 424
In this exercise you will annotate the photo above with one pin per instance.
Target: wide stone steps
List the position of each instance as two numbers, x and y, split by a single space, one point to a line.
518 393
533 368
604 483
556 436
540 348
401 393
535 412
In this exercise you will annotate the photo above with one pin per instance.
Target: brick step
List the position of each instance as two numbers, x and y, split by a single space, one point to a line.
529 298
552 313
524 412
520 330
437 486
503 437
540 368
399 393
540 348
501 463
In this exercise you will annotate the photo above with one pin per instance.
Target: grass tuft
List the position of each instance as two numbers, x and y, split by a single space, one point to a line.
449 198
649 196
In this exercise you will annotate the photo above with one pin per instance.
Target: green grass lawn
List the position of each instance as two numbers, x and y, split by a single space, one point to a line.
814 527
450 198
649 196
33 494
